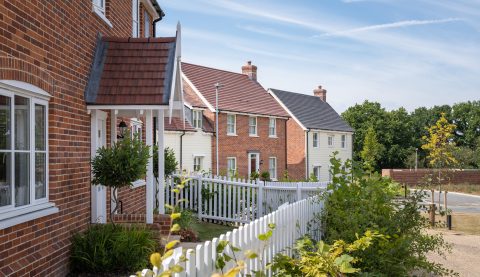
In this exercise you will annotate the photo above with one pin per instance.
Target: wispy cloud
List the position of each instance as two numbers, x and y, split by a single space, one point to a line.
398 24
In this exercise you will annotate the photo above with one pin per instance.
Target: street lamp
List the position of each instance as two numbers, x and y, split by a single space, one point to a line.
416 159
217 87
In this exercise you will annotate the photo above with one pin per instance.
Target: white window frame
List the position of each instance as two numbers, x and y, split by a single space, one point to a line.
99 8
331 141
344 141
197 119
315 140
231 172
319 170
199 165
272 170
9 214
135 18
272 127
250 125
147 32
234 125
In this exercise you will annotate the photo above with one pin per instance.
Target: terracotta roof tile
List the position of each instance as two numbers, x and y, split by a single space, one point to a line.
192 98
238 93
131 71
177 125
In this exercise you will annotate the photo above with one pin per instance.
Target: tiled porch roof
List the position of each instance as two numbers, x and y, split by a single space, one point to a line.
177 125
131 71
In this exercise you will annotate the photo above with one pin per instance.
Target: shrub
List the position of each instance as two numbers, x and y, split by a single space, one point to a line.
107 248
359 203
265 176
120 165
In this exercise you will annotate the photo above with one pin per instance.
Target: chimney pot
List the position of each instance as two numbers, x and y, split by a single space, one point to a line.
320 92
250 70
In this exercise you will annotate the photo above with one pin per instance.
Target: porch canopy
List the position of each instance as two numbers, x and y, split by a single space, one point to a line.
135 77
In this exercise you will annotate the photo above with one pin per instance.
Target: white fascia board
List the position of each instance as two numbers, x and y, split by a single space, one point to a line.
197 92
332 131
286 109
149 7
128 107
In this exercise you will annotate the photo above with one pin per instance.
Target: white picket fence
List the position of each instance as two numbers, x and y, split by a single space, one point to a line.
292 222
241 201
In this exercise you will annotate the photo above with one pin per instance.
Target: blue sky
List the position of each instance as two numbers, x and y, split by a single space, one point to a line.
406 53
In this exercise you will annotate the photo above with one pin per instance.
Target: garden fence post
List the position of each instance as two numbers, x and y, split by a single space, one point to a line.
200 201
260 199
299 191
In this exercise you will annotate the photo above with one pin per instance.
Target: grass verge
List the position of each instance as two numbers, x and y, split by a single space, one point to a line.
208 231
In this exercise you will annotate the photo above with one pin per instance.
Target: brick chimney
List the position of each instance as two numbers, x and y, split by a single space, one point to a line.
320 92
250 70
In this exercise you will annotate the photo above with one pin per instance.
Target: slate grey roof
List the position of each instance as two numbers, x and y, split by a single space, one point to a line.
311 111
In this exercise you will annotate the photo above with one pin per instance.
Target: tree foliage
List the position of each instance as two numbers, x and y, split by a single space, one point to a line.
401 132
439 144
372 150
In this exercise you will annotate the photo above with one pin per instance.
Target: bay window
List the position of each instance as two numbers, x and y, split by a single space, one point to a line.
23 151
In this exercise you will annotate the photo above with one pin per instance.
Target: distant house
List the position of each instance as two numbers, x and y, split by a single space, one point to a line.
315 132
251 124
191 140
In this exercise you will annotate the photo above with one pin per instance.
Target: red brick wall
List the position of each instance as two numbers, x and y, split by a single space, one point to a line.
296 150
239 146
412 177
59 37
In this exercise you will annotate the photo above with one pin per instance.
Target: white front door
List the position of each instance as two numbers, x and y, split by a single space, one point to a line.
98 140
253 163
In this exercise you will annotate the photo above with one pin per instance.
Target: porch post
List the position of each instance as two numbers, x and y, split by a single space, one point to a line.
113 139
150 178
161 162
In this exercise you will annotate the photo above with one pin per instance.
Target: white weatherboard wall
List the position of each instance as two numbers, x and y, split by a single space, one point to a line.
194 144
321 156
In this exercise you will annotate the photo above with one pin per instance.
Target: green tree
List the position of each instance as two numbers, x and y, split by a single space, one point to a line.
120 165
439 144
465 157
466 117
372 150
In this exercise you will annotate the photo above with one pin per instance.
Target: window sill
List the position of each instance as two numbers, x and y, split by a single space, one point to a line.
253 136
18 216
138 183
101 14
272 136
232 135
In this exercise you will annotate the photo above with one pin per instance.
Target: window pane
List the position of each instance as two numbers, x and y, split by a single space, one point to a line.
22 123
147 24
22 180
5 179
40 119
40 173
5 130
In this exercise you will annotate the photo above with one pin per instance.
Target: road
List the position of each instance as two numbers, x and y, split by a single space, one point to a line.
458 202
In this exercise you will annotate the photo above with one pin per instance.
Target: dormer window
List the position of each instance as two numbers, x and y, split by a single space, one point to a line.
197 119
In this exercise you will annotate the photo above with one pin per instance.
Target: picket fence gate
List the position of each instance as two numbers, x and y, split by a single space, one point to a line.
292 221
223 199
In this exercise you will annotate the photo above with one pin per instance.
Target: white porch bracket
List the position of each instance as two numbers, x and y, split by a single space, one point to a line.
150 192
161 161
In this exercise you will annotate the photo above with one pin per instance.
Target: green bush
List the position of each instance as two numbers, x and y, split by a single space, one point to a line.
358 203
105 248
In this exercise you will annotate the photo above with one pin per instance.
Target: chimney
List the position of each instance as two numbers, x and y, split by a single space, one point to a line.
250 70
320 92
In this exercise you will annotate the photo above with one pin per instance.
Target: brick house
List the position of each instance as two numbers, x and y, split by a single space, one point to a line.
315 132
69 75
251 124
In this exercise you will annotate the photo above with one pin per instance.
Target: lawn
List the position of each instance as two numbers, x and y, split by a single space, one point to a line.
465 188
468 223
208 231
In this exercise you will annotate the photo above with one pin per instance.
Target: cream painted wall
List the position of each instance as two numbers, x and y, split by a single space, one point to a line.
321 156
194 144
